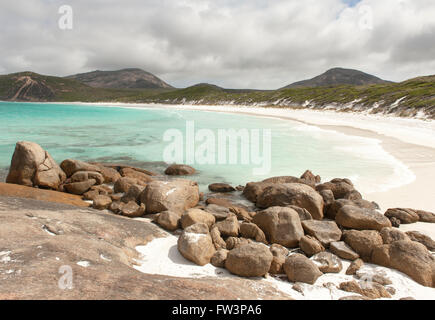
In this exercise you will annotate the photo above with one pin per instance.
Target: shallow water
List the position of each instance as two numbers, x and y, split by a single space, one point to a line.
135 136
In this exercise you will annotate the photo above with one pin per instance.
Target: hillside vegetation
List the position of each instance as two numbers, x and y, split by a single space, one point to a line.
411 98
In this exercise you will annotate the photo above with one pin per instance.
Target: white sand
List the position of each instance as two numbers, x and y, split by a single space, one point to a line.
162 257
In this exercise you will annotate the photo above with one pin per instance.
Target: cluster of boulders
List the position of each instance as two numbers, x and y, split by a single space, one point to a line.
299 227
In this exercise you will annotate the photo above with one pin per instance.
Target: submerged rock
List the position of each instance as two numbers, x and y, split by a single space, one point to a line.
179 170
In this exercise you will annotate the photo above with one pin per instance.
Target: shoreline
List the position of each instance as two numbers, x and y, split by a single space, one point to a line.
418 158
410 141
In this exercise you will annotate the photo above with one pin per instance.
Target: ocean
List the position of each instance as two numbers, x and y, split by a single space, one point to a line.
142 137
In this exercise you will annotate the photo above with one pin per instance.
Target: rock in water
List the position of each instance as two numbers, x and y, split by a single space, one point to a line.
353 217
301 269
324 231
251 260
354 267
33 166
280 225
177 195
179 170
195 244
221 187
296 194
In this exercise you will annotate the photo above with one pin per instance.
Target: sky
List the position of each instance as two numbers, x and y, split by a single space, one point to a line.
263 44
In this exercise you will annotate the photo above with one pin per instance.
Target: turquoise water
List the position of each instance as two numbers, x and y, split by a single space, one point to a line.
135 136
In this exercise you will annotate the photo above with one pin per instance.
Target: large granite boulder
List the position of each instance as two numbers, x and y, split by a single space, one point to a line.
229 227
168 220
221 187
363 242
409 257
135 174
177 195
195 244
310 245
389 235
81 176
353 217
70 166
342 250
299 268
426 216
179 170
342 189
252 231
406 216
251 260
79 187
33 166
195 215
296 194
324 231
422 238
336 205
110 175
281 225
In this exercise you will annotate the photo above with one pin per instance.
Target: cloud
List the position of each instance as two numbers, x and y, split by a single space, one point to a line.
232 43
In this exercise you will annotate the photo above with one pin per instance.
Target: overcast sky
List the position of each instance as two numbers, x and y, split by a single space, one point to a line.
232 43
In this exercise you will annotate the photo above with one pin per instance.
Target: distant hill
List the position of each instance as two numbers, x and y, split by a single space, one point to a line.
339 77
121 79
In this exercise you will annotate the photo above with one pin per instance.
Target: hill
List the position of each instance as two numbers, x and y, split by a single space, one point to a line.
339 77
121 79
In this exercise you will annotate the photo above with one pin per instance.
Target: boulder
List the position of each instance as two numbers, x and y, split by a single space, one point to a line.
296 194
234 242
363 242
241 213
353 217
79 187
219 213
33 166
328 198
303 213
195 244
299 268
81 176
90 195
310 245
250 260
134 174
123 184
252 231
288 179
218 242
327 262
341 188
229 227
110 175
279 255
131 209
309 176
177 195
221 187
425 216
101 202
406 216
168 220
354 267
219 258
17 191
389 235
372 290
133 193
324 231
179 170
422 238
335 206
341 249
253 189
70 166
194 215
281 225
102 189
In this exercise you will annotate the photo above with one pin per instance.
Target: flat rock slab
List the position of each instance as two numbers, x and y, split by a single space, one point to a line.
15 190
38 238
